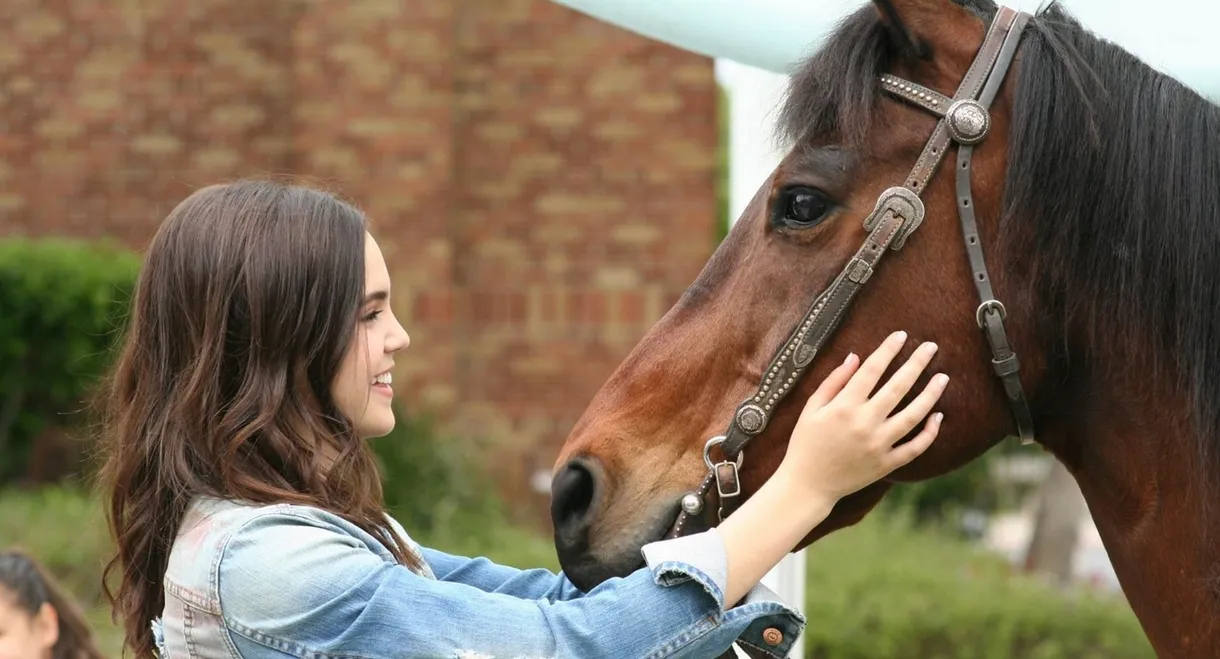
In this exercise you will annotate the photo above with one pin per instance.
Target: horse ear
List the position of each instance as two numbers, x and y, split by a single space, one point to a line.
898 17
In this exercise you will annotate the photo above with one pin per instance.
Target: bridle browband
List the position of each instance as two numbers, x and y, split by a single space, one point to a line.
964 120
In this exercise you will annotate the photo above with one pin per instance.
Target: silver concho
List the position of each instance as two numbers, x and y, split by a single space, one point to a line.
751 419
692 504
804 355
968 122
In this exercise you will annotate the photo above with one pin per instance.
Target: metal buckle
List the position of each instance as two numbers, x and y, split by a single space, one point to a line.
994 305
905 204
726 472
707 453
715 470
720 481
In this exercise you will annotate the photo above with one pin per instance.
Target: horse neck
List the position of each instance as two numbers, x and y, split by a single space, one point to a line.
1127 438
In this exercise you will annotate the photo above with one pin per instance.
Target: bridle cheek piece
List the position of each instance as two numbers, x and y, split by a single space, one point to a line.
964 120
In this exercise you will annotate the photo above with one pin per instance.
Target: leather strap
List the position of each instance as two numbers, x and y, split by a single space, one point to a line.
1004 59
991 313
930 100
823 318
936 148
898 212
798 351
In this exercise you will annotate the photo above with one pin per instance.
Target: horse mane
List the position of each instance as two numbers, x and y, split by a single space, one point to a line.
1112 195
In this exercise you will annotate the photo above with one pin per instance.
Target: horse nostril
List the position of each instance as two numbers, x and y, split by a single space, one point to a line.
572 495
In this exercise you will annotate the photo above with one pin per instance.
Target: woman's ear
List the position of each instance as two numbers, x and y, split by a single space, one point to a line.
46 628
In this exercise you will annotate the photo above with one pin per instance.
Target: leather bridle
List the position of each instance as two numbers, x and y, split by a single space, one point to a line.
964 120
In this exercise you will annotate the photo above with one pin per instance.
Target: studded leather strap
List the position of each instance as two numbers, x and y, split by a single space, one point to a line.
898 213
895 216
932 101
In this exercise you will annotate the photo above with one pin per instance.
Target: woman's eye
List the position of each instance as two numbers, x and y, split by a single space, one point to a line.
801 208
372 315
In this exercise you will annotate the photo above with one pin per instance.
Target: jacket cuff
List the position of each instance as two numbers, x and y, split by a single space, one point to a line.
698 557
774 625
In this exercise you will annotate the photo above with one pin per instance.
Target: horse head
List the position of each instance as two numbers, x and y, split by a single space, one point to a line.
638 449
1043 207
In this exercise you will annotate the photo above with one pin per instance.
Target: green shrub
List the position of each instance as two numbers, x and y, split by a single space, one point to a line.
429 481
60 304
886 590
940 500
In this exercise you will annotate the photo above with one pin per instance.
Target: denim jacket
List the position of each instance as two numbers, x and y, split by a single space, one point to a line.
280 581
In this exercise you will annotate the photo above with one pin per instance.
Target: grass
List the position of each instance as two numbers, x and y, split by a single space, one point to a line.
880 590
66 531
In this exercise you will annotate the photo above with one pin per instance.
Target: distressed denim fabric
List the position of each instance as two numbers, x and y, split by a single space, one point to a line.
279 581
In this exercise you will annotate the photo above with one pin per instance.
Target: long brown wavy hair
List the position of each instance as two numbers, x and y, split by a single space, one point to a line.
31 586
246 304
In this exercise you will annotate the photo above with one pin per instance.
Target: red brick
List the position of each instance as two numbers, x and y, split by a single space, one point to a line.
540 183
630 308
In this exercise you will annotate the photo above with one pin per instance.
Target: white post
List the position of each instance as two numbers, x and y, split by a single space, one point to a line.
754 95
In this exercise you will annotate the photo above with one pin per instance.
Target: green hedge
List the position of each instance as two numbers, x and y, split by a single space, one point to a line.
430 481
971 487
886 590
60 304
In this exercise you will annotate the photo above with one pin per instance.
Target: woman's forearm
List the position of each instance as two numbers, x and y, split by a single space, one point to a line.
764 529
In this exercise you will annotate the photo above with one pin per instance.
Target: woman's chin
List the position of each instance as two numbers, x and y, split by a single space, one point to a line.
378 424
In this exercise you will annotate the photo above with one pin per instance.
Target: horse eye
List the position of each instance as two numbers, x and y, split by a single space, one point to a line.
801 208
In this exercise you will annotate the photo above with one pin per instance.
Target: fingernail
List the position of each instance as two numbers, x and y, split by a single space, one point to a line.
937 418
942 380
899 336
850 356
930 348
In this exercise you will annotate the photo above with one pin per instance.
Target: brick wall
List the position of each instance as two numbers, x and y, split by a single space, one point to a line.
541 183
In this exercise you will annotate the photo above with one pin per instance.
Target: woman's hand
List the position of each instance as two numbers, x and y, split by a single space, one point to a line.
845 440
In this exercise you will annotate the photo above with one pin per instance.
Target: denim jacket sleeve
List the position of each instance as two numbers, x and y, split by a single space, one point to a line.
536 583
292 585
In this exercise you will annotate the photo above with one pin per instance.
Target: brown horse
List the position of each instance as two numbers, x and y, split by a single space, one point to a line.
1097 196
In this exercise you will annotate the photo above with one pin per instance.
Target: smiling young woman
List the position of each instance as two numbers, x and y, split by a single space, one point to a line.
247 508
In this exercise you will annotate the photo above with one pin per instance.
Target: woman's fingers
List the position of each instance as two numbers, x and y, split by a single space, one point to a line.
897 426
900 384
904 454
865 379
833 383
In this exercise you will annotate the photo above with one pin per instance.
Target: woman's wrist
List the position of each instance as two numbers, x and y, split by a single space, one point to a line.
766 527
805 497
